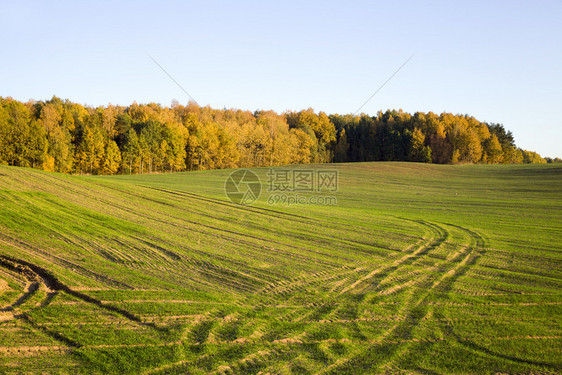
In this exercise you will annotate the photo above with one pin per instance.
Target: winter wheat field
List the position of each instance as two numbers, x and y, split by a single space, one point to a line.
416 268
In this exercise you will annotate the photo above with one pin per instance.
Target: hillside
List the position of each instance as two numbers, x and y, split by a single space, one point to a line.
421 268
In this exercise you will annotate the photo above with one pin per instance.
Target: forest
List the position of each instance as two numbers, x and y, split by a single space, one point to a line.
62 136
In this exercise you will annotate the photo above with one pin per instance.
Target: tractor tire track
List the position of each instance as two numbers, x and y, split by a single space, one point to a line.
415 309
51 258
438 236
53 284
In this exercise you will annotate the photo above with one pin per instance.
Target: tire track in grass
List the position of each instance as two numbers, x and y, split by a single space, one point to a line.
53 284
321 309
195 227
39 275
439 236
26 350
325 277
171 366
309 221
131 211
96 248
51 258
447 328
83 270
256 275
268 213
460 263
36 279
475 347
28 292
290 286
183 264
331 280
465 257
414 309
249 364
259 210
215 228
482 350
65 186
93 248
34 283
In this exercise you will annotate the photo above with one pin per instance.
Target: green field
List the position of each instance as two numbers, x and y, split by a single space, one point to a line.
418 269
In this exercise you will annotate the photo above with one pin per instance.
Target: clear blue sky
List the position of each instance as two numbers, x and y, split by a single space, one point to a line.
500 61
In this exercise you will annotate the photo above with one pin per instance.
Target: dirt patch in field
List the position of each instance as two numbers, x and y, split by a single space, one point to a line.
4 287
5 316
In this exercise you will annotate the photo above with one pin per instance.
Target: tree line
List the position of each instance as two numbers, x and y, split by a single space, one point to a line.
62 136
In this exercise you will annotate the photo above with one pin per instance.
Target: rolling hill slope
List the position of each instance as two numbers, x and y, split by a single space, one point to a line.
419 268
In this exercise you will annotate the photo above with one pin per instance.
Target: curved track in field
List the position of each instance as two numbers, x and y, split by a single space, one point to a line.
411 281
38 278
416 274
368 304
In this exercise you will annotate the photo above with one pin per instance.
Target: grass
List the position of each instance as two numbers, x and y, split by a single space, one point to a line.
418 268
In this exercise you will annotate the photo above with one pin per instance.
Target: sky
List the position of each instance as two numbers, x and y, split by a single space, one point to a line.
499 61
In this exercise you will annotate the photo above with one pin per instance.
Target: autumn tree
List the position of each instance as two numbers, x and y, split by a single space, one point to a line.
131 152
305 146
418 150
90 151
111 158
319 126
279 144
493 150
